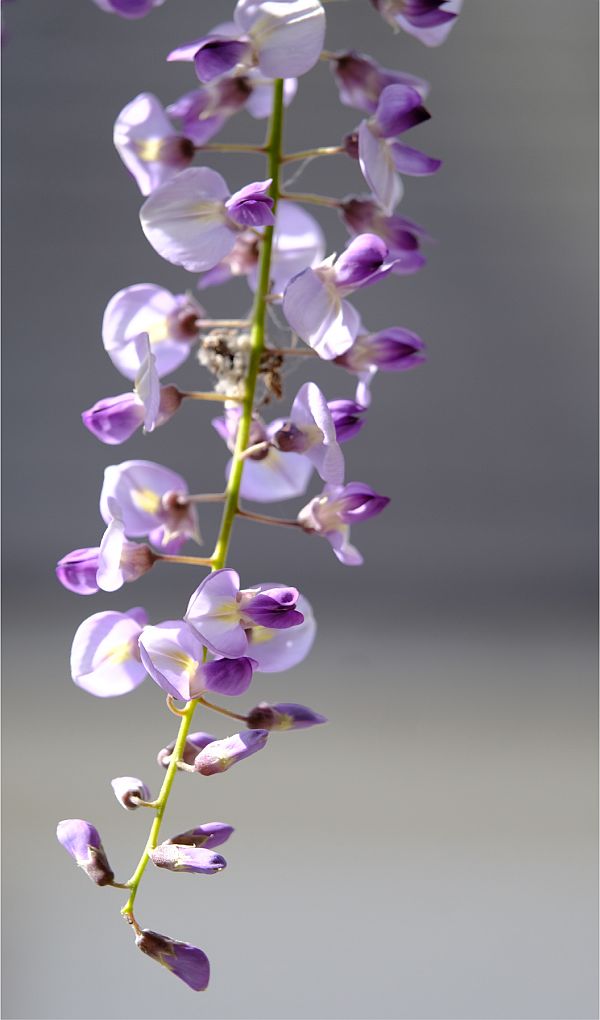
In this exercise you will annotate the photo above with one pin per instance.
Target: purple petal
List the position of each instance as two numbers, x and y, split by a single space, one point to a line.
277 650
82 841
400 107
252 206
182 959
77 570
363 262
346 415
222 754
191 859
378 168
285 716
128 8
412 162
114 419
213 611
361 80
433 34
228 676
216 55
172 654
209 835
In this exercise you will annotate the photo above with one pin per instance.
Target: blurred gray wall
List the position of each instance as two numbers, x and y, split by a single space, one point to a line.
432 853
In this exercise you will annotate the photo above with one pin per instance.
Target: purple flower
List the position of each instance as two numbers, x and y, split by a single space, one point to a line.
381 159
209 835
152 502
283 38
182 959
82 841
391 350
332 513
346 415
402 236
173 655
105 659
222 754
195 860
310 430
298 243
204 111
361 80
276 650
169 320
315 300
193 221
129 791
269 475
429 21
119 560
148 144
113 420
284 716
221 613
77 571
128 8
194 743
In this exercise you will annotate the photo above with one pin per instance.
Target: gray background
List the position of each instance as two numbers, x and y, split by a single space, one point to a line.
432 853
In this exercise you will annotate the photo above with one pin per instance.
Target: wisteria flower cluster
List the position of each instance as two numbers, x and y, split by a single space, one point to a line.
230 630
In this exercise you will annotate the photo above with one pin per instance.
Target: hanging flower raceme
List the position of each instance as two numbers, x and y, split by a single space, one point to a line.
429 21
298 243
315 302
170 321
361 80
221 613
173 655
390 350
332 512
402 236
269 475
381 158
105 657
152 501
283 38
150 147
193 221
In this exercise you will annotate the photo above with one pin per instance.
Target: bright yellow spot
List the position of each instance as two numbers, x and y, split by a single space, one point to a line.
227 611
260 635
146 500
150 150
185 662
119 654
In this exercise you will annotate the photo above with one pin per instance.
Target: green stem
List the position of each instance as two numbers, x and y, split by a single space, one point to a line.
219 557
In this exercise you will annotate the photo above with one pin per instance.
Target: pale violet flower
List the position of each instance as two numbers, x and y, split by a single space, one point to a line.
269 475
310 430
105 658
150 147
390 350
332 512
151 501
429 21
173 654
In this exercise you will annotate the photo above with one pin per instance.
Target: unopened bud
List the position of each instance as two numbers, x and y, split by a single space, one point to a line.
192 859
194 743
283 717
222 754
82 841
185 961
129 791
211 834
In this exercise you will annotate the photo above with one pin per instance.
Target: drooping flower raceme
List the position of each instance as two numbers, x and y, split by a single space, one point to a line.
231 638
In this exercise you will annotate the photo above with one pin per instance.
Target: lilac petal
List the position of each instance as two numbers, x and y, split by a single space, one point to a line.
222 754
114 419
217 55
378 168
77 571
82 841
310 409
213 611
412 162
172 654
252 206
147 383
191 859
319 316
400 107
287 34
274 608
361 80
360 502
128 8
342 547
436 34
408 262
396 349
260 102
277 650
182 959
194 743
276 477
185 219
105 657
346 415
138 487
148 144
228 676
210 835
145 308
285 716
363 262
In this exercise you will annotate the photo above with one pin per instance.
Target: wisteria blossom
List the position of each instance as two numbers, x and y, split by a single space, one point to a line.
284 716
401 235
105 658
429 21
208 835
331 514
170 322
390 350
315 302
348 418
283 38
203 111
152 502
172 654
193 221
269 474
382 159
222 754
118 559
129 791
183 960
310 430
150 147
191 859
128 8
361 80
82 841
221 612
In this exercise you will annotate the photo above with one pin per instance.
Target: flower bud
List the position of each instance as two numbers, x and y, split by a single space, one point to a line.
77 571
82 841
211 834
193 859
185 961
194 743
282 717
222 754
128 790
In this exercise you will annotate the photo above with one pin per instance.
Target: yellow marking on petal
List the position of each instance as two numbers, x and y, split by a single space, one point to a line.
227 611
186 663
119 654
260 635
150 150
146 500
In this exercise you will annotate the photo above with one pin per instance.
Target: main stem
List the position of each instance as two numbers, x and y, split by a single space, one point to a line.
257 341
